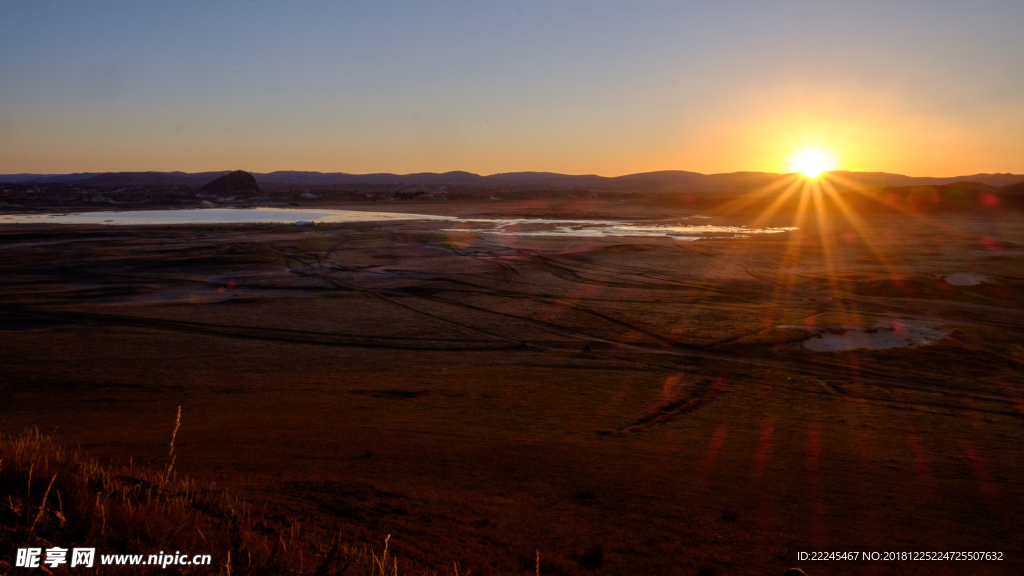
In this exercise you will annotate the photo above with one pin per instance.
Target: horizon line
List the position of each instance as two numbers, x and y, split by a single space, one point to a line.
51 174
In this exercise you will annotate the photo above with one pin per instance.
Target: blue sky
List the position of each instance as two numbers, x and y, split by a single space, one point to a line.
914 87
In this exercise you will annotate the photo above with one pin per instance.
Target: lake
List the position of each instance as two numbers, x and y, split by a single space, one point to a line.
300 216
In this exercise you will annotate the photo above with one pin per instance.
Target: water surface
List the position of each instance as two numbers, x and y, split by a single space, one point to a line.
214 216
898 334
676 228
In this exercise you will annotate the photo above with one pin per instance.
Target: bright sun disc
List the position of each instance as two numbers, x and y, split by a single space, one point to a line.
812 161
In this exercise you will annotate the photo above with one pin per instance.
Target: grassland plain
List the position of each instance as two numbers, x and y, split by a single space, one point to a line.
621 405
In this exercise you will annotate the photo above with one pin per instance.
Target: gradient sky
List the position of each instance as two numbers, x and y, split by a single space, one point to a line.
914 87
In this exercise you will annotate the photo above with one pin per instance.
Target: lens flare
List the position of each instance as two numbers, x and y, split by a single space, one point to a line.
811 162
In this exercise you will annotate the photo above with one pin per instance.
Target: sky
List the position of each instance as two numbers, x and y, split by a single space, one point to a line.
925 88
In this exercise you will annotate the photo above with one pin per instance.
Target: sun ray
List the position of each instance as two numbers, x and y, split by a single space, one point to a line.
825 238
738 205
791 258
766 214
858 223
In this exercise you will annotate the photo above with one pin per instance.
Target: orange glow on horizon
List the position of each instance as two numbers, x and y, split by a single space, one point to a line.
811 162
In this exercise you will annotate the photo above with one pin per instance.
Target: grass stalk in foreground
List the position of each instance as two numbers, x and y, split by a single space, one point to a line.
126 509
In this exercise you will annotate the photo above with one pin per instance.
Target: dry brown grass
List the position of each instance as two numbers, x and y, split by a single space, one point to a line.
59 497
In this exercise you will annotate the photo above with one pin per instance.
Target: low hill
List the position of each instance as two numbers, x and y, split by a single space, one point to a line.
148 179
954 197
235 182
1012 189
46 178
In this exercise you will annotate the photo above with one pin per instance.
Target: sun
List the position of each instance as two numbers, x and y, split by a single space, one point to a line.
811 162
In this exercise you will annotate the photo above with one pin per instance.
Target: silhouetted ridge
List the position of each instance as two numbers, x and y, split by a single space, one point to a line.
665 180
146 179
233 183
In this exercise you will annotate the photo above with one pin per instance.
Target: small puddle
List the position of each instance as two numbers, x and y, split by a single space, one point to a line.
899 334
966 279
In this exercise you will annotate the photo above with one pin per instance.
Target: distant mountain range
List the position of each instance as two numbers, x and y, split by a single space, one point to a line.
666 180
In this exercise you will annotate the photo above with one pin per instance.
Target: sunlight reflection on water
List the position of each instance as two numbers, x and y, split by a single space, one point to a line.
597 229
